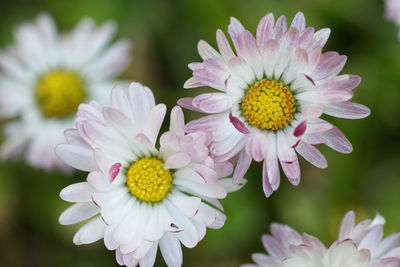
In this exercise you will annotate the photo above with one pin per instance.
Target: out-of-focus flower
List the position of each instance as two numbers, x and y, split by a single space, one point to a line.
392 10
45 76
138 197
273 90
358 245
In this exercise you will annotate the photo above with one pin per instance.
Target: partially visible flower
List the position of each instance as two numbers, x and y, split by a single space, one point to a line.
45 76
273 90
358 245
137 197
392 10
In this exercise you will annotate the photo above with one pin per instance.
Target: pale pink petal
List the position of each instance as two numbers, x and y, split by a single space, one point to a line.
235 28
347 225
285 152
79 157
212 102
154 121
210 79
177 122
254 146
312 155
177 161
320 38
206 51
271 161
241 68
186 103
348 110
242 166
330 64
248 49
192 83
328 97
141 100
292 171
267 187
371 240
146 143
274 247
224 46
265 30
280 27
336 140
299 21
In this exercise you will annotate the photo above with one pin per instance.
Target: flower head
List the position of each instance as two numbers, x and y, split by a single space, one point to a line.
392 12
359 245
136 196
45 76
273 90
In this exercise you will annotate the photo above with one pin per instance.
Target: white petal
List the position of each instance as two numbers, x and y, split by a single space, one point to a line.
171 250
78 212
79 157
79 192
90 232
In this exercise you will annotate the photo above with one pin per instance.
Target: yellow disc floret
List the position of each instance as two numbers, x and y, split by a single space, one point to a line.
268 105
148 181
59 93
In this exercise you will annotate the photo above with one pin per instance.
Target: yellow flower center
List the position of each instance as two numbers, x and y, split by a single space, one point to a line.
59 93
268 105
148 181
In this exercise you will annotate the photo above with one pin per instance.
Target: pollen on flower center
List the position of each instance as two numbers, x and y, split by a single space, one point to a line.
268 105
148 181
59 93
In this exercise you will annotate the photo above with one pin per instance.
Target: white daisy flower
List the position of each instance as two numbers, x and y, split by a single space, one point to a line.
138 197
45 76
392 12
273 90
358 245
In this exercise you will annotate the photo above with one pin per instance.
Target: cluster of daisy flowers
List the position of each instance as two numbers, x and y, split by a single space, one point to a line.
358 245
138 196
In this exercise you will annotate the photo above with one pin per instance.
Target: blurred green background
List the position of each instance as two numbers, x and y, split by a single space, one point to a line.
165 35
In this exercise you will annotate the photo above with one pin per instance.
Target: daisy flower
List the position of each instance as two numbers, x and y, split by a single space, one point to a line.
137 197
272 92
392 12
45 76
358 245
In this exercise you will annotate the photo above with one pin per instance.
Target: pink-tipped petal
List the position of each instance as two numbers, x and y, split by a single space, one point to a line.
212 102
238 124
265 30
114 171
299 21
292 171
300 129
224 46
192 83
186 103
